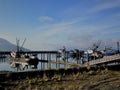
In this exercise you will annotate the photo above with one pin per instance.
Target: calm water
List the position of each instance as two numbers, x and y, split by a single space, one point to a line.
5 66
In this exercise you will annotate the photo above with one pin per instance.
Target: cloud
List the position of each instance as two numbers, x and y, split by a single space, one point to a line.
59 28
73 33
45 18
80 31
81 41
107 4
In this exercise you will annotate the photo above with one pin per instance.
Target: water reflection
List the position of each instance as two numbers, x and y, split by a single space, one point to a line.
26 63
22 66
8 65
4 65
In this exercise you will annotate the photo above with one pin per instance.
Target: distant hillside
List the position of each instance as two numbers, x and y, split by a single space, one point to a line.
7 46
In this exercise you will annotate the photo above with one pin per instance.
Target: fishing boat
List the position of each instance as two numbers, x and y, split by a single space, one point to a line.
20 60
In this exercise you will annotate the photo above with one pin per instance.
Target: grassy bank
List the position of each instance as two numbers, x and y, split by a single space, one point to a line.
69 79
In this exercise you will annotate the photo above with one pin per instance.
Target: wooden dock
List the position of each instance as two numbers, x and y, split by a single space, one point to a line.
48 58
104 60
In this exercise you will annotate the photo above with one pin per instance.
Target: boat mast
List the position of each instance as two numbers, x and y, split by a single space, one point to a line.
118 45
17 42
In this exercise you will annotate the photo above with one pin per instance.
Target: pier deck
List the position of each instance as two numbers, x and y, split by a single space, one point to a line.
104 60
51 57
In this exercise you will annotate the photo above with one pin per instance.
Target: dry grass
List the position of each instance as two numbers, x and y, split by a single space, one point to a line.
92 80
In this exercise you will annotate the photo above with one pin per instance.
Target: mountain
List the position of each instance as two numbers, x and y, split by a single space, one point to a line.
5 45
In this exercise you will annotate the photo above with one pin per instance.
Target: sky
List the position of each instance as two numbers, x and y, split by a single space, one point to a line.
52 24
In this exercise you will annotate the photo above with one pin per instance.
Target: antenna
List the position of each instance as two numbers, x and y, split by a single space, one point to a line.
22 44
96 45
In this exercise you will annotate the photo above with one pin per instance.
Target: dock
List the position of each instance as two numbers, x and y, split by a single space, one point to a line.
105 60
48 58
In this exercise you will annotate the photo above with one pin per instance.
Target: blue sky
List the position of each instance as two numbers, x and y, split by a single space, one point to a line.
51 24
